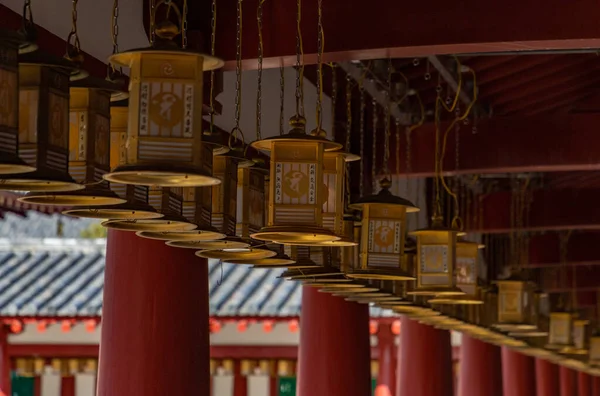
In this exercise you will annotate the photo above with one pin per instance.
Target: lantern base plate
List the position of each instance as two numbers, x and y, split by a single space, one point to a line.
162 224
126 211
195 235
209 245
367 300
309 273
436 291
528 334
556 347
14 166
86 197
163 175
375 274
268 263
412 310
456 300
574 351
391 304
514 327
291 235
39 181
339 243
356 290
236 254
330 285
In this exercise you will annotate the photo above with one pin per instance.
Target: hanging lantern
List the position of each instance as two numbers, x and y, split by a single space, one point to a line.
581 336
166 203
250 201
9 105
224 194
296 196
594 359
466 276
561 331
165 118
382 235
436 261
135 207
89 147
43 125
514 305
539 318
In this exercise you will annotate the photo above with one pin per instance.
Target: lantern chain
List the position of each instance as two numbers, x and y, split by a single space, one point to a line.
73 38
184 25
374 164
348 111
281 99
319 110
115 27
259 20
299 62
334 93
362 140
152 7
387 128
238 82
213 36
397 123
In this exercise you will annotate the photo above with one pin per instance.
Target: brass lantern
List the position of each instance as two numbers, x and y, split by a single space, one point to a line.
383 234
89 147
9 105
581 335
594 359
165 117
165 203
136 207
296 190
466 276
250 201
436 261
43 125
514 305
560 335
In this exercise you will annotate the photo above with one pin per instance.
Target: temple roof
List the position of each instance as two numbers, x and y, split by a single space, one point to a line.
45 276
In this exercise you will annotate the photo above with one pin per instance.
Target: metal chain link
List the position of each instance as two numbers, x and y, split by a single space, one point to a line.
115 27
299 63
259 15
184 25
348 111
334 93
281 99
238 66
319 65
213 35
362 140
374 158
408 153
397 121
152 24
73 38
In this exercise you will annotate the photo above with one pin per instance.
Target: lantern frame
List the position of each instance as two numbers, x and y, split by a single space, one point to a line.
560 334
89 147
296 195
9 105
250 213
580 335
383 215
166 94
436 237
594 349
43 80
514 305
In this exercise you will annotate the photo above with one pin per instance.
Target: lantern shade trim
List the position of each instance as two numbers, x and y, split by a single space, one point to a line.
194 235
166 223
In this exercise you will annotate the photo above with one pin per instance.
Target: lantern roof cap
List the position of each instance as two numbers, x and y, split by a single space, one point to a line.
384 197
296 135
42 58
95 83
12 36
348 157
462 241
166 48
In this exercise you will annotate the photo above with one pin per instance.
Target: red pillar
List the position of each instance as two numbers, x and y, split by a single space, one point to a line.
240 381
568 382
5 365
584 384
595 386
480 368
386 380
154 320
424 360
518 373
334 352
546 378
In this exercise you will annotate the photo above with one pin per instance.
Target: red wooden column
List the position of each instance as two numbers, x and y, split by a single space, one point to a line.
424 360
154 320
584 384
240 381
5 365
546 378
480 368
568 382
386 380
518 373
595 386
334 352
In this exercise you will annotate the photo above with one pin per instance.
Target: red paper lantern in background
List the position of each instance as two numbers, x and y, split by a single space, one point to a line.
268 326
373 327
242 326
65 326
215 326
16 326
90 325
396 326
41 326
293 326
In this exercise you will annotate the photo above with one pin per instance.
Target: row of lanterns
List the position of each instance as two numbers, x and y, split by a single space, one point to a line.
147 166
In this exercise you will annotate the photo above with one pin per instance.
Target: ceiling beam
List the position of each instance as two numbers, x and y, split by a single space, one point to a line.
549 143
388 28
